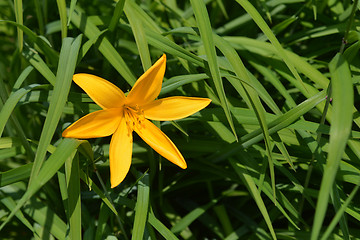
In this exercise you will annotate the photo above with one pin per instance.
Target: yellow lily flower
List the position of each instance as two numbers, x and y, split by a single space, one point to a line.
121 115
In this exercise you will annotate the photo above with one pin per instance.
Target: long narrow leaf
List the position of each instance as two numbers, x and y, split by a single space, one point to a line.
66 149
65 72
141 208
339 134
206 34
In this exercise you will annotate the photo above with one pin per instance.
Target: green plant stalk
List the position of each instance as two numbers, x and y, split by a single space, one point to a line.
63 17
349 24
19 19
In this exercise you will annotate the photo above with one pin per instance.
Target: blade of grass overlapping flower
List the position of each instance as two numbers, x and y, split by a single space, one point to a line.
85 24
66 149
240 70
140 39
206 35
61 4
251 10
339 134
66 68
73 191
141 208
242 172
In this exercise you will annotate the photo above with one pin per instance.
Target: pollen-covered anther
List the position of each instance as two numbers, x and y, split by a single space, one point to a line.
134 117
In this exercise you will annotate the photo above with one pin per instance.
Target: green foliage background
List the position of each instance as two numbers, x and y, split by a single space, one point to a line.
275 156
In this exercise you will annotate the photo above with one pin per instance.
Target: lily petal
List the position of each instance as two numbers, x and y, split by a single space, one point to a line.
104 93
120 153
148 86
172 108
97 124
153 136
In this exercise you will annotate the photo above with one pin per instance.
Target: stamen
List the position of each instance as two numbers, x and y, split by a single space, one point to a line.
134 117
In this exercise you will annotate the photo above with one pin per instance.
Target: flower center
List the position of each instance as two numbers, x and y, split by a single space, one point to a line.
134 117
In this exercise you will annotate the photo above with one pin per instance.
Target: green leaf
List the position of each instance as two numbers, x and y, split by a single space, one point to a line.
18 7
141 208
11 102
74 201
206 34
65 150
343 100
66 68
15 175
251 10
63 17
90 30
139 35
243 173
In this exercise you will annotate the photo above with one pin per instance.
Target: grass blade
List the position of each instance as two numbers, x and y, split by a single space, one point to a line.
140 39
161 228
63 17
250 184
10 104
117 14
19 19
339 134
74 202
66 149
65 72
81 21
141 208
251 10
206 34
